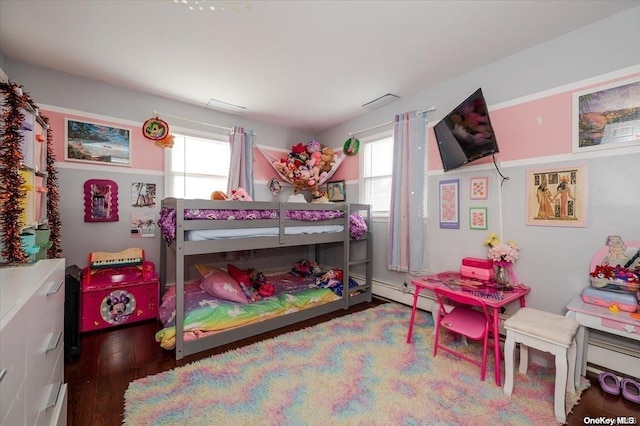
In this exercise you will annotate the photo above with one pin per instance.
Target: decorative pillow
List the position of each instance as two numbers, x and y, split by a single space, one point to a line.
242 277
220 284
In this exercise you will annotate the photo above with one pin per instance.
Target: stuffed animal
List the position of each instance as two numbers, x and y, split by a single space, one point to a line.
320 197
296 198
219 195
327 159
240 194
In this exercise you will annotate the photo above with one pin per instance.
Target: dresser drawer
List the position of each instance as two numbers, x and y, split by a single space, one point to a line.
45 342
55 390
12 361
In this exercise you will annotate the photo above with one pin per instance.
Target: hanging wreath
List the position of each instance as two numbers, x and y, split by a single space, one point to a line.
157 130
351 146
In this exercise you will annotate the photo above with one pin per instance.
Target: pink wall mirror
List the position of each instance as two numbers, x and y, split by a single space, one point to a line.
100 201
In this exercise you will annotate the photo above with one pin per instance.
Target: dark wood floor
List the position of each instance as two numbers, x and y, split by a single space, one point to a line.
109 360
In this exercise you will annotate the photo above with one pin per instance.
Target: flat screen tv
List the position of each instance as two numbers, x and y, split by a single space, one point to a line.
465 134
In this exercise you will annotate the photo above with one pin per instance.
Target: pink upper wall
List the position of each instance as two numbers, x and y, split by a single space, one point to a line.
536 128
144 153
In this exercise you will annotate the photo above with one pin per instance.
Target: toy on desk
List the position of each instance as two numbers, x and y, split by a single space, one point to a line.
130 257
476 268
622 301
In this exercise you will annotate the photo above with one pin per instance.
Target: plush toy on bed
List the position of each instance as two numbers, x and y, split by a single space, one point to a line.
240 194
219 195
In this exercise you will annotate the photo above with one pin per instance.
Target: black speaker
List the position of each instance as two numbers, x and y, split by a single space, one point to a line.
72 280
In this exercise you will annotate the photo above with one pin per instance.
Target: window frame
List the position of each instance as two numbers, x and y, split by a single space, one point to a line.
388 134
168 171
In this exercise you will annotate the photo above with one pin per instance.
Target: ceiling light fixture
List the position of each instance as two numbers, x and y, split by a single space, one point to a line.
225 106
214 6
381 101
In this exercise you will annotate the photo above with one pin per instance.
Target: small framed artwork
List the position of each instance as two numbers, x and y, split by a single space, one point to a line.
478 218
336 191
479 188
100 201
607 116
557 197
450 204
97 143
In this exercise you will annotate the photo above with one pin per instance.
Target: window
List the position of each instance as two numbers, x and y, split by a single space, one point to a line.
377 166
197 166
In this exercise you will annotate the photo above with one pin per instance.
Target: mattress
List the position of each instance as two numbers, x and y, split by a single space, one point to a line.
217 234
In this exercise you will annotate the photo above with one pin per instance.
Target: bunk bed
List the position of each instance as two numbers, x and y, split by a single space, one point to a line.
197 227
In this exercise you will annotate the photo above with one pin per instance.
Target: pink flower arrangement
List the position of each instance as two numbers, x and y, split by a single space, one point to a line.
501 252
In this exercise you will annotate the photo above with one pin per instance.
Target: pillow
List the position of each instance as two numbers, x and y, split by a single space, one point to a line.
220 284
239 275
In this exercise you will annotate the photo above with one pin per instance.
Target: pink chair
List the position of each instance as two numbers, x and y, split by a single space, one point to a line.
464 320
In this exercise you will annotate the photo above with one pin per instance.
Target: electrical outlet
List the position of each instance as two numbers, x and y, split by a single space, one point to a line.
405 287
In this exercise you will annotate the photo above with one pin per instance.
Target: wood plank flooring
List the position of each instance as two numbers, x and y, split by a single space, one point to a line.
109 360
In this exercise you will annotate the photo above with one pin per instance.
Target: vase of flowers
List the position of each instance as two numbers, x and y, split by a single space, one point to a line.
503 255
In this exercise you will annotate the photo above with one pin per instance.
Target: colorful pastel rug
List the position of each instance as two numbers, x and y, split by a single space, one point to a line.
353 370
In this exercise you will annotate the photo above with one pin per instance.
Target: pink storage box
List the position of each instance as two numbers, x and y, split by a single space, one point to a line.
120 295
624 301
477 263
473 272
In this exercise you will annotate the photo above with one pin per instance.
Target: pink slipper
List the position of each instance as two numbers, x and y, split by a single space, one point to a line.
630 390
609 383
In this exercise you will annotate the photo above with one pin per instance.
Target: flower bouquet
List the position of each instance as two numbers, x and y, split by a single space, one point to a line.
503 255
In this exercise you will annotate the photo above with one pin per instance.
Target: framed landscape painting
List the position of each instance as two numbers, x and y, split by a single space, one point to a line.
97 143
607 117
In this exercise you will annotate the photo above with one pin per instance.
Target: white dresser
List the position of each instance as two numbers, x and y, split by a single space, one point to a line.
32 389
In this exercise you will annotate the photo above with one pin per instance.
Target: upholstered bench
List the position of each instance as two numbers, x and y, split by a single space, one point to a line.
546 332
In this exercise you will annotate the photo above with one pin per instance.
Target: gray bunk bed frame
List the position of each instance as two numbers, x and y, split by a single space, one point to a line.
181 248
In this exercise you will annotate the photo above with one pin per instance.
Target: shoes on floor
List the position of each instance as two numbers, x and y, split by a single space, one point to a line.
609 383
630 390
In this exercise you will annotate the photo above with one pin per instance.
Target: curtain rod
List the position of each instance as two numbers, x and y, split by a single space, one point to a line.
156 113
418 113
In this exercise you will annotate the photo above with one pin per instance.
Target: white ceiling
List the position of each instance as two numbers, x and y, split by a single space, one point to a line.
303 64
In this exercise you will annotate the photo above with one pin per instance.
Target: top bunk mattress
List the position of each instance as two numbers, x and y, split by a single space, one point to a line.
220 234
314 218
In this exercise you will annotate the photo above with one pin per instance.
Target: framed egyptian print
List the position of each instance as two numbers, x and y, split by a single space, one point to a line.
557 196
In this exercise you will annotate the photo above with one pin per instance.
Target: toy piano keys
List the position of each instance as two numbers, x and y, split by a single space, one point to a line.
118 288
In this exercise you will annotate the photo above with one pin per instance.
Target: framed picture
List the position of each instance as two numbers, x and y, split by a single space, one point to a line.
97 143
336 191
479 188
478 218
450 204
607 116
557 197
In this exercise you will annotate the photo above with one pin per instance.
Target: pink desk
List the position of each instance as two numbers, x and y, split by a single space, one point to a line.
429 282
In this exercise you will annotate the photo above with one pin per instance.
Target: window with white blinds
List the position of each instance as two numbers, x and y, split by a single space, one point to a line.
196 166
377 159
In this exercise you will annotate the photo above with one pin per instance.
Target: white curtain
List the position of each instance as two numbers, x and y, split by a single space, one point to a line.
241 165
407 216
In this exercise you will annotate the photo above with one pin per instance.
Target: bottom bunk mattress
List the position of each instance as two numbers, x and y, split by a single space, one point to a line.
206 314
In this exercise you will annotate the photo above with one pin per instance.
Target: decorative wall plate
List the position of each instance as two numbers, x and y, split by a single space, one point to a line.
351 146
155 129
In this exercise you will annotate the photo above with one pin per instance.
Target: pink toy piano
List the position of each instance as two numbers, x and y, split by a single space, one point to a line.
118 288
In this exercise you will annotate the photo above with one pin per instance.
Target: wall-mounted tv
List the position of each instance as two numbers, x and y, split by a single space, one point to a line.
465 134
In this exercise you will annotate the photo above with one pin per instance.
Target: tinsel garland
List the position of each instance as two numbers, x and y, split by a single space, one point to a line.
53 198
10 180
